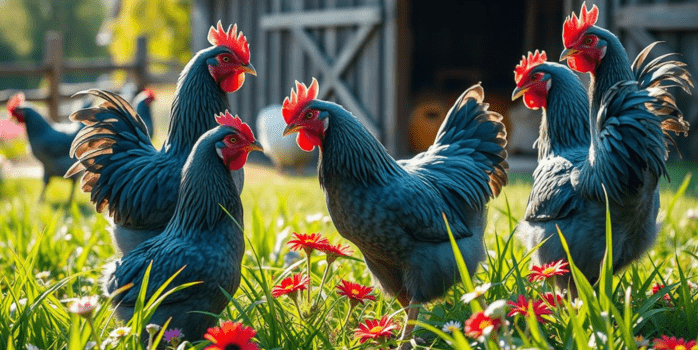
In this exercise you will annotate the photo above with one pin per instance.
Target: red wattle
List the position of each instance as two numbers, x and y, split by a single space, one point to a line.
581 63
234 160
233 82
307 141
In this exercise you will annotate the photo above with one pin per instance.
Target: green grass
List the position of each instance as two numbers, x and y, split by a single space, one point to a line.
50 253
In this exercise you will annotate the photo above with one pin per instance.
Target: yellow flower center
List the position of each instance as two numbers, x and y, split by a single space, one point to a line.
288 287
452 329
548 271
485 324
680 347
354 292
376 329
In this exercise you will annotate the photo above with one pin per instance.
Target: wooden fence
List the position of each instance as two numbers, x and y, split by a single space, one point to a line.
54 65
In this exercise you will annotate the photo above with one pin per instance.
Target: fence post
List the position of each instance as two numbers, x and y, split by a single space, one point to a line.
141 63
53 59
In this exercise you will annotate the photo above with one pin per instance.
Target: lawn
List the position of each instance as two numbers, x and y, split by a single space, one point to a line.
51 253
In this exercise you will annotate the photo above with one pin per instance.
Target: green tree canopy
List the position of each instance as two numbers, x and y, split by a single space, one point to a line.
164 22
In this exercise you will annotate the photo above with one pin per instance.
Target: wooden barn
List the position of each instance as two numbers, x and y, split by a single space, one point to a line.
398 64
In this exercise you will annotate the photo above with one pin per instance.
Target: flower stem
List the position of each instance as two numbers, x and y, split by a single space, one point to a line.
298 308
322 283
346 319
310 279
94 333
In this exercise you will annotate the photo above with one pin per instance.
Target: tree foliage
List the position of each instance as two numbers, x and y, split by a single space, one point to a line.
164 22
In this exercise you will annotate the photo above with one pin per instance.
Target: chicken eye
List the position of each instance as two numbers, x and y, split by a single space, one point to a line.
588 40
309 115
233 140
226 59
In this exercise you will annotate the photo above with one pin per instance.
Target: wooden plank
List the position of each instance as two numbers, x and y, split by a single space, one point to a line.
296 64
642 38
683 16
349 101
200 23
14 69
331 34
261 60
275 77
322 18
368 64
390 66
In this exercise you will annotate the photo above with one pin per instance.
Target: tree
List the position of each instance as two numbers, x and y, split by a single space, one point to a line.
164 22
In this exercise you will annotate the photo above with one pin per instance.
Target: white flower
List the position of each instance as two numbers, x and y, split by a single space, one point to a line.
120 332
577 303
451 326
84 306
497 309
152 328
692 214
603 338
43 275
476 293
32 347
90 344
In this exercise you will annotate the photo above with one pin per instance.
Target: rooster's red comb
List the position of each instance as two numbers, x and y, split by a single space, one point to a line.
230 39
14 102
526 64
236 123
575 27
293 104
150 93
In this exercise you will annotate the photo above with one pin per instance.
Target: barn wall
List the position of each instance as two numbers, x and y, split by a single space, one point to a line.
281 58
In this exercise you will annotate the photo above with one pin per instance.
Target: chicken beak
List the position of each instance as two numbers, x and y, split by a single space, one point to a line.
256 146
567 53
518 92
249 69
291 128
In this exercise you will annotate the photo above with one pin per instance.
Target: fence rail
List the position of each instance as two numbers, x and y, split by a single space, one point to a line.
54 66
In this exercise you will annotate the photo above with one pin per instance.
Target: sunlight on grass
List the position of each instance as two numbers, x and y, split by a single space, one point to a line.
52 253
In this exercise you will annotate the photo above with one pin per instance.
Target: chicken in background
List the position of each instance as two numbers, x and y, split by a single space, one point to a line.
143 102
393 210
49 142
200 238
124 172
282 150
621 150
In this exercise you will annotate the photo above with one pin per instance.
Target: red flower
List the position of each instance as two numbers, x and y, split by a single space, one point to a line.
355 292
553 299
307 242
674 344
334 251
290 285
541 273
656 288
478 323
231 335
521 307
375 329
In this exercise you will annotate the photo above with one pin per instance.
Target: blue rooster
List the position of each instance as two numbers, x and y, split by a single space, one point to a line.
125 174
623 149
392 210
595 50
50 143
200 238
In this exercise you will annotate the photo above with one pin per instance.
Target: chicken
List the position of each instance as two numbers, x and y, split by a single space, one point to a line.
623 149
595 50
392 210
50 143
125 174
200 237
282 150
143 102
